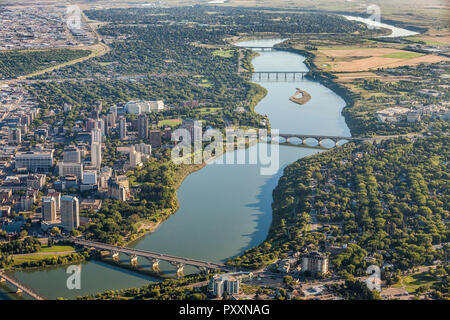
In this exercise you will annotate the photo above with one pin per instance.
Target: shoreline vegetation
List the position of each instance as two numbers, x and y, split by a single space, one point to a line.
305 97
145 226
29 254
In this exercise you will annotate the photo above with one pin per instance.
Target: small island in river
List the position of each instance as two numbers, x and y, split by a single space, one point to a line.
304 98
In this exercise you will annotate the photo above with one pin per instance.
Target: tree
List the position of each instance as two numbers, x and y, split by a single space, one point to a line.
55 231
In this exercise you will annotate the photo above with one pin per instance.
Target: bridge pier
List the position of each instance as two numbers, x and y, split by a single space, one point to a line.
204 270
115 255
179 266
19 291
134 260
155 263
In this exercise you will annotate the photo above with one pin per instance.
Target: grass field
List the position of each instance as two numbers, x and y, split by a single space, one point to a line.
43 254
224 53
169 122
30 258
403 55
413 282
57 248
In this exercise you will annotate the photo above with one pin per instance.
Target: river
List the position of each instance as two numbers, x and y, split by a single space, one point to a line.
396 32
224 209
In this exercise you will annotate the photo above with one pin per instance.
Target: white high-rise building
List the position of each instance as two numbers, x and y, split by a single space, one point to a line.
138 107
96 134
96 147
102 127
70 168
70 213
96 154
48 209
135 158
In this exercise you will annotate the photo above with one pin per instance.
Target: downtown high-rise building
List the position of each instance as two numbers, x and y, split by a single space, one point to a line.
48 209
70 213
96 147
123 128
14 135
155 138
72 154
143 127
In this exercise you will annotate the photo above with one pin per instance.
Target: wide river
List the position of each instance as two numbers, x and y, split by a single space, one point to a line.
224 209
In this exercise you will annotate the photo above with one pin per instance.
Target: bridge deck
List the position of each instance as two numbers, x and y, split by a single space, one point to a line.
315 136
152 255
25 289
276 72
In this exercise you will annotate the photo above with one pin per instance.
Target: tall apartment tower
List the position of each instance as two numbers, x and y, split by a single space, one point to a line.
72 154
155 138
14 136
123 128
100 123
96 148
315 262
96 134
143 126
113 110
70 213
135 158
48 209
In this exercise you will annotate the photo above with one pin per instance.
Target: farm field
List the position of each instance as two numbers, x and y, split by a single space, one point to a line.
365 59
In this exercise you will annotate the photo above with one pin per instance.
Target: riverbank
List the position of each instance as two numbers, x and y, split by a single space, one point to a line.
145 226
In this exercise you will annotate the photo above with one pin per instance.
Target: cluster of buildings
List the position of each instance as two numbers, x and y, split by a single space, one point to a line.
35 171
60 211
228 283
40 27
393 114
139 106
312 262
414 114
38 167
434 111
17 112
